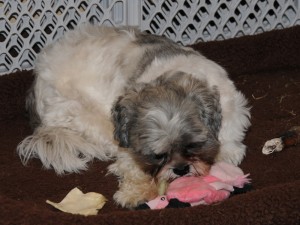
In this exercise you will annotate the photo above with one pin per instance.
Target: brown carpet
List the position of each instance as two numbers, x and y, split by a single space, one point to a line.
265 67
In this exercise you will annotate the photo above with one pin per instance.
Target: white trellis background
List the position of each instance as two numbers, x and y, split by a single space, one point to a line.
26 26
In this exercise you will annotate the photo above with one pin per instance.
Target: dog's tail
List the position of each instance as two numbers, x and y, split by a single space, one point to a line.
59 148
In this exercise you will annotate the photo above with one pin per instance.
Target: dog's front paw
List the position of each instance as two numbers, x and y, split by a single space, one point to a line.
132 194
128 200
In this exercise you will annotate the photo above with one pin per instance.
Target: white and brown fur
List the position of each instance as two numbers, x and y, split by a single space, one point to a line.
158 109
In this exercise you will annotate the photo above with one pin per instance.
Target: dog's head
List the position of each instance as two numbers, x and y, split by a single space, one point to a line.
170 125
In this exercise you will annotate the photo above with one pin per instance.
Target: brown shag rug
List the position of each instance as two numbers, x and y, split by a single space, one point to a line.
265 67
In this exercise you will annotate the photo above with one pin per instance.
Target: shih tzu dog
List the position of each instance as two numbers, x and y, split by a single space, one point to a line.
158 109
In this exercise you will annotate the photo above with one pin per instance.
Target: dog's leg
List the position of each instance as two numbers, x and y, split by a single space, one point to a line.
132 193
135 187
235 122
232 152
68 136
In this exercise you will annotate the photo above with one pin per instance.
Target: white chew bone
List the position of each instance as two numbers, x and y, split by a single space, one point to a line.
273 145
162 187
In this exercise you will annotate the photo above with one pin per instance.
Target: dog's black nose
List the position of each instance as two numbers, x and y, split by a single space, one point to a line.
182 170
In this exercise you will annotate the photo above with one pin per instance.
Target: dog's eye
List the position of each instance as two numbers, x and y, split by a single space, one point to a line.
194 145
192 148
160 156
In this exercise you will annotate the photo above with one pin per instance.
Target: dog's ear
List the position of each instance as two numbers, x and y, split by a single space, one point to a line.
208 102
123 116
120 118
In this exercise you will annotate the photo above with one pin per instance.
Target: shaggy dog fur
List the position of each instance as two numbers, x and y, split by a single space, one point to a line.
159 109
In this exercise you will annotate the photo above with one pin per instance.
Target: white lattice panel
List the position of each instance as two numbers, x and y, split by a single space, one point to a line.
26 26
191 21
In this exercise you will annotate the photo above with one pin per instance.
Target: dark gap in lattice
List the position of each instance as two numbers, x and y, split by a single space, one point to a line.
203 11
271 12
147 31
154 26
19 8
212 24
48 22
169 32
207 2
96 14
186 5
38 41
252 16
197 19
71 24
237 12
232 20
37 13
243 3
4 65
172 1
14 51
223 6
175 23
3 36
256 8
276 5
49 28
83 5
60 10
217 15
30 5
188 33
25 33
7 9
53 3
179 19
165 8
37 47
147 7
27 59
72 18
157 23
94 20
13 16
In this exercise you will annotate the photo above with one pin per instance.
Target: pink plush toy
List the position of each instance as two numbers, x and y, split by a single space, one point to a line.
215 187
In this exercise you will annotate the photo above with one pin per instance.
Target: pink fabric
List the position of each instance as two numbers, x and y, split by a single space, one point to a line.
229 174
159 202
195 189
215 187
